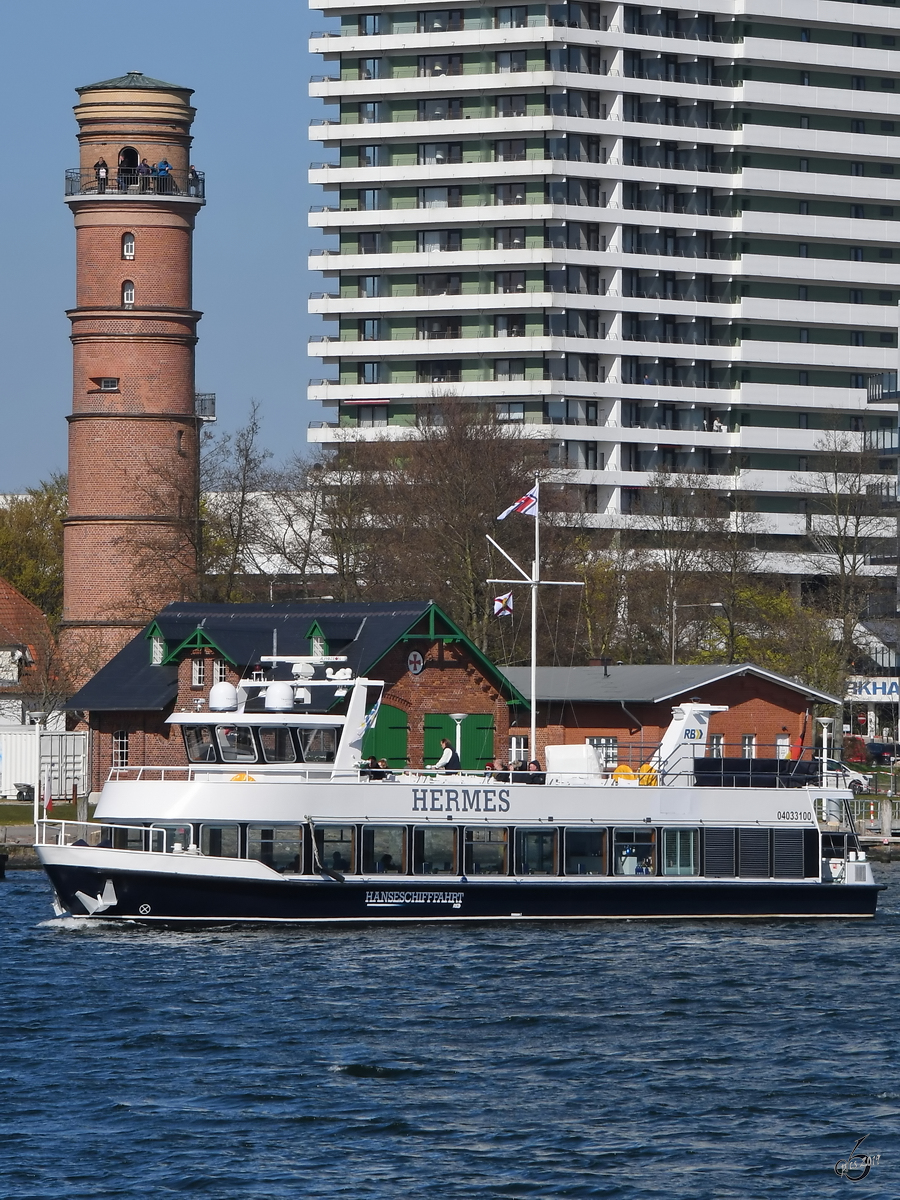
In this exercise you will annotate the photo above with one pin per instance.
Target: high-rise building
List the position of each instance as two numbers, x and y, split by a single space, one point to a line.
130 544
667 236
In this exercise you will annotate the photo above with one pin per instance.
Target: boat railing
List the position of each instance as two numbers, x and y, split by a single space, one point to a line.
52 832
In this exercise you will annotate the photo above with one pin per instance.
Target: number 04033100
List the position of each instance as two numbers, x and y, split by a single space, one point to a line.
790 815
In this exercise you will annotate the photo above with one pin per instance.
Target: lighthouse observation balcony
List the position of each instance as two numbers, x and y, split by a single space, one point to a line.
126 183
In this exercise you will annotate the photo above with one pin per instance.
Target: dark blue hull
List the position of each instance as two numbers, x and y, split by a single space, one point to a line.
172 899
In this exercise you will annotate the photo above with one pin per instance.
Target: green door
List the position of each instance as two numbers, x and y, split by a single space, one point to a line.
389 738
476 742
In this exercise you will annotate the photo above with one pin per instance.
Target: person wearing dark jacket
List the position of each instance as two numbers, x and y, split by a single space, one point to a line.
535 774
449 760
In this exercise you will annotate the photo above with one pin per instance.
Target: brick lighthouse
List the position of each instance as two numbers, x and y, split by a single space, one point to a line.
131 531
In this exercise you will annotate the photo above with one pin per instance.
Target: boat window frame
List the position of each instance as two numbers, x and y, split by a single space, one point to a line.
222 748
605 843
418 833
324 854
314 731
186 730
695 849
468 859
205 826
371 826
167 830
275 826
653 842
262 730
522 831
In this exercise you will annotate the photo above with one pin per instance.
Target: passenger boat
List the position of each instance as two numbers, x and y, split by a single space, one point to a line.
274 819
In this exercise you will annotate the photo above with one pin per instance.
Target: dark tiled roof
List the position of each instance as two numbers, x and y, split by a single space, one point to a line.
641 684
245 632
134 79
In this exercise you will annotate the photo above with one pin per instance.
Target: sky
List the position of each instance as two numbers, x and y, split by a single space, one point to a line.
249 65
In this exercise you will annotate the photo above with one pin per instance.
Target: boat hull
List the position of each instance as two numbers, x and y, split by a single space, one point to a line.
150 897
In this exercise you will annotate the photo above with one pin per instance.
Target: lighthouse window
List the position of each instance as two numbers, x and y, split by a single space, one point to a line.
108 384
235 743
277 745
486 851
585 852
384 850
128 245
536 851
634 851
434 850
128 293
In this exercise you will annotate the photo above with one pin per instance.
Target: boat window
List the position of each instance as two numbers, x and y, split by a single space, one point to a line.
486 851
317 745
634 851
681 852
536 851
434 850
585 852
199 743
180 836
335 844
126 839
235 743
220 841
384 849
277 745
278 846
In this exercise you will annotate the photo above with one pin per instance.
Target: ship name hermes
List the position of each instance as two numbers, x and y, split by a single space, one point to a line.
486 800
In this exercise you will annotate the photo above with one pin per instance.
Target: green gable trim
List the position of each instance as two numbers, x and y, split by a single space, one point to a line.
198 640
455 634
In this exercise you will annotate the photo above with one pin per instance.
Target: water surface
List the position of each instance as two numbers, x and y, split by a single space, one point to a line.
634 1059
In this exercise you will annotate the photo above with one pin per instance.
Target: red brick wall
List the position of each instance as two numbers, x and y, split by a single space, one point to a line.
758 706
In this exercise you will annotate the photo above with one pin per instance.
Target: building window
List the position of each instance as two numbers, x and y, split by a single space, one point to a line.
198 672
367 372
716 745
367 286
108 384
369 68
128 245
514 411
511 238
509 368
607 751
220 670
748 745
318 647
369 329
157 650
127 293
371 416
120 748
369 24
511 18
511 61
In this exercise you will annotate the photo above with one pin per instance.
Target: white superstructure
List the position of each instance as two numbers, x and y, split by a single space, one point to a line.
656 236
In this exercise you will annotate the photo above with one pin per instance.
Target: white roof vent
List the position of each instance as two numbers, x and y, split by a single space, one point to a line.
223 697
280 696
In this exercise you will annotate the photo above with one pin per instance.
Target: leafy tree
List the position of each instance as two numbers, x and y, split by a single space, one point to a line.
31 544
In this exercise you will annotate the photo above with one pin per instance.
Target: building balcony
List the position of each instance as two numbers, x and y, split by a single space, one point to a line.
205 405
882 388
127 184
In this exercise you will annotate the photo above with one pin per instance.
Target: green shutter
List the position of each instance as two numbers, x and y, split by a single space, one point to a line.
389 738
476 742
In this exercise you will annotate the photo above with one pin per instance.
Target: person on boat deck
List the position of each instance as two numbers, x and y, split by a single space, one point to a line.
519 772
387 864
337 862
449 760
386 772
372 769
535 774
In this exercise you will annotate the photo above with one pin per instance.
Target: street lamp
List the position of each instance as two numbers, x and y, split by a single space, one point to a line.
675 608
38 719
458 718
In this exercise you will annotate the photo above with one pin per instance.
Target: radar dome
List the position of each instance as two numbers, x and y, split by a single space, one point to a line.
223 697
280 696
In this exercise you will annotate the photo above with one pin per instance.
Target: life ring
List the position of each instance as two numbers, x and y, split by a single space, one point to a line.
623 772
647 775
243 777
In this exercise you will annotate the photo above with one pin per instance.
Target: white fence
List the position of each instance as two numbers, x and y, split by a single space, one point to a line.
64 760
